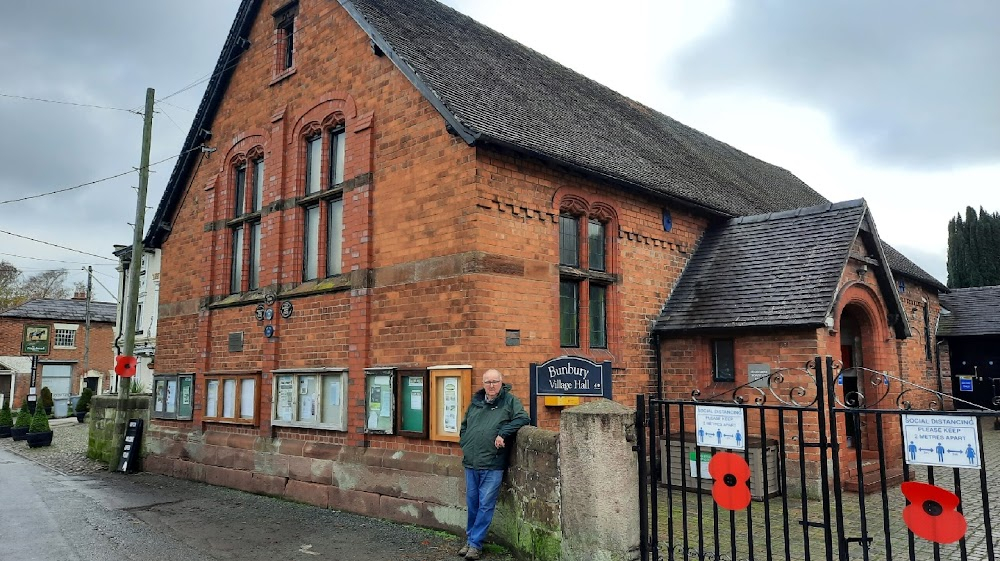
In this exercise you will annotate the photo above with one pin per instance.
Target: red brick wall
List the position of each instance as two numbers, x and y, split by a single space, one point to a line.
101 356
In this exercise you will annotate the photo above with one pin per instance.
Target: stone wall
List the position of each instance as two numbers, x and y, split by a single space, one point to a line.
102 421
528 515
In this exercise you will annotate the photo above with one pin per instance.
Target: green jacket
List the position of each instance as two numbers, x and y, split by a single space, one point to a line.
484 422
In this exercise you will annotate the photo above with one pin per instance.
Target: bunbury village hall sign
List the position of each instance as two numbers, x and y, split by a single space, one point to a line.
568 377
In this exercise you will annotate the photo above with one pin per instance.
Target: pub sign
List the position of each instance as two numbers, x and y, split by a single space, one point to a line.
37 340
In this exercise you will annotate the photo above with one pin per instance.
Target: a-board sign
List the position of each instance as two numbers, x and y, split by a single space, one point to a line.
128 460
942 440
720 427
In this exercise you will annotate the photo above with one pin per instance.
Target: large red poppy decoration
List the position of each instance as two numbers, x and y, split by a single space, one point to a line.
731 473
931 513
125 366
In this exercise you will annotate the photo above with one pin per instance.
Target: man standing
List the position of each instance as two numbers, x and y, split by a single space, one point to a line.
490 423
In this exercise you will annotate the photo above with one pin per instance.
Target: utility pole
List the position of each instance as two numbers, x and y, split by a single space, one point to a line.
86 322
133 275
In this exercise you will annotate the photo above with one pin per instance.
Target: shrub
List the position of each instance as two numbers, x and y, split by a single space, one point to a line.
6 418
47 398
23 416
40 422
83 404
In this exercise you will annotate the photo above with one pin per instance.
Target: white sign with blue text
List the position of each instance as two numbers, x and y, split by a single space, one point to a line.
942 440
720 427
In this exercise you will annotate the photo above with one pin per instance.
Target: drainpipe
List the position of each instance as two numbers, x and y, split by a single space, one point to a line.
659 366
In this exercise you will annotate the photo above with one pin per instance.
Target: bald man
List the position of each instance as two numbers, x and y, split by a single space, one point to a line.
490 423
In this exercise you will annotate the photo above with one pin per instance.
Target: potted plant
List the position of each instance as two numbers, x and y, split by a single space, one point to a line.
47 402
21 424
6 420
39 433
83 404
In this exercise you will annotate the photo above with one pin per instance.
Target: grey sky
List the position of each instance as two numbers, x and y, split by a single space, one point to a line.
907 83
908 86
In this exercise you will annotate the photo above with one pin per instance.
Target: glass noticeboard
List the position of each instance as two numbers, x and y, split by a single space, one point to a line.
412 406
451 391
380 406
185 405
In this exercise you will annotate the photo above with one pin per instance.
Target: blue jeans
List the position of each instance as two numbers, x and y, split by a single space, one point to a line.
481 489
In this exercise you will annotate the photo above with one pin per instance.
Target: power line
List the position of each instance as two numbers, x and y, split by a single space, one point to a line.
111 294
60 102
55 245
55 260
96 181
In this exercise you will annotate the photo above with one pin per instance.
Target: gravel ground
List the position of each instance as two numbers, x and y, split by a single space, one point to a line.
68 453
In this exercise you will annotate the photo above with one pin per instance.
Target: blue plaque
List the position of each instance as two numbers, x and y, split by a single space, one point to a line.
965 383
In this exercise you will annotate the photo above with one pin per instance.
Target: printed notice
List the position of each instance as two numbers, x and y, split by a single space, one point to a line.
720 427
450 405
417 400
942 440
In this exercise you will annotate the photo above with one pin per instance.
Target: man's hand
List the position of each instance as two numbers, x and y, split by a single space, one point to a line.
498 442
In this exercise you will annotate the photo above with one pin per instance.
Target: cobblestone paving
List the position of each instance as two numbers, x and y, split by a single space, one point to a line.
68 453
762 528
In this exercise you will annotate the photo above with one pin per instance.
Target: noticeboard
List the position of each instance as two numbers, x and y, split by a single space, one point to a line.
412 404
128 460
380 405
451 392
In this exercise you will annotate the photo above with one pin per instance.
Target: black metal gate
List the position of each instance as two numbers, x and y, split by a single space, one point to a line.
767 471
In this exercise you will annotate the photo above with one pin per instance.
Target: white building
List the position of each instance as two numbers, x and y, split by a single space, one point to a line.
147 305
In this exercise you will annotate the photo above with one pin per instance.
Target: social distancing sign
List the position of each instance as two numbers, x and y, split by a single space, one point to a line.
942 440
720 427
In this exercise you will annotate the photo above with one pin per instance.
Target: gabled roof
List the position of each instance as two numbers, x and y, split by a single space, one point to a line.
501 92
63 310
492 90
973 311
773 270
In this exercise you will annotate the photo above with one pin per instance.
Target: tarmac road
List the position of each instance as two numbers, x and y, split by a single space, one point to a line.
46 515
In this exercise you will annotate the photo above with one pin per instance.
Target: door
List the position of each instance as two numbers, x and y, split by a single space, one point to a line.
57 378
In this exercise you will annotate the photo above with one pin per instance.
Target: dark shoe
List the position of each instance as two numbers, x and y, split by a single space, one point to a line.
463 551
472 554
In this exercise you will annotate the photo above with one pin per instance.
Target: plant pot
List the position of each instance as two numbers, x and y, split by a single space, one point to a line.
5 432
81 416
38 439
19 433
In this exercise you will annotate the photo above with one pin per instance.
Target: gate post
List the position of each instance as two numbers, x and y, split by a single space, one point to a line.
640 448
599 480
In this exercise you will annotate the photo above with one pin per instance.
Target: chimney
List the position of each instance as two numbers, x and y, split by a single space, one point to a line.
80 295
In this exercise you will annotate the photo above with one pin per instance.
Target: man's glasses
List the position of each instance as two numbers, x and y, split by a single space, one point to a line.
491 382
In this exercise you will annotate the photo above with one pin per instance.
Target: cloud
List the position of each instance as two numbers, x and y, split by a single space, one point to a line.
907 84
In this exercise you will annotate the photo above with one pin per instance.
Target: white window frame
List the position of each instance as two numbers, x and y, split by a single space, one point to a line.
56 328
337 424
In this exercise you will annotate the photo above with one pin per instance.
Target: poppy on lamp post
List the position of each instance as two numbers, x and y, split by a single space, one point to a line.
731 473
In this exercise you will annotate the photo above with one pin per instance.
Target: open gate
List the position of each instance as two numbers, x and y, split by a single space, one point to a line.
767 471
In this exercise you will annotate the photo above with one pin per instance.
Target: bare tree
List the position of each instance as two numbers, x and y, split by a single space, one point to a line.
47 284
10 286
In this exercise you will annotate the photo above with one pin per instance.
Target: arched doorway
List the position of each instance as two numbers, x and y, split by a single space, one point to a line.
852 357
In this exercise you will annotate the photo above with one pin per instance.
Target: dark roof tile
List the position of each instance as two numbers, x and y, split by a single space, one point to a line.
973 312
63 310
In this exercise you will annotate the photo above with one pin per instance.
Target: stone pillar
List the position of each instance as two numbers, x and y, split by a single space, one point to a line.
599 475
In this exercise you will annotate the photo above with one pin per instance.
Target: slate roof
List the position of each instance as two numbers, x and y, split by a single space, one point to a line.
773 270
973 311
63 310
492 90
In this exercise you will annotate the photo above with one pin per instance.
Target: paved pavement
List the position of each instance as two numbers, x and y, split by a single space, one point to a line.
57 504
883 518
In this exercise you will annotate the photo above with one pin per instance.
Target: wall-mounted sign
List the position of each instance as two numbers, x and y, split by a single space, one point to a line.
268 331
720 427
567 376
759 375
259 312
965 383
36 340
268 299
286 309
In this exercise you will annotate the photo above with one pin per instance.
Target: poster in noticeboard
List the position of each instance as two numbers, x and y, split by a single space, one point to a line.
450 393
412 403
380 404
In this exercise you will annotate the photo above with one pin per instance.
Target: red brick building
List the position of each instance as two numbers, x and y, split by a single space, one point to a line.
67 367
400 198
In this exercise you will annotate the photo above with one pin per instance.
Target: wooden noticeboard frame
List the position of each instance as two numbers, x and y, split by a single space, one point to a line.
451 393
412 415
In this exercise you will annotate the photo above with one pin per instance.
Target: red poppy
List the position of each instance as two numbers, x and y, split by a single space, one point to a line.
731 473
931 513
125 366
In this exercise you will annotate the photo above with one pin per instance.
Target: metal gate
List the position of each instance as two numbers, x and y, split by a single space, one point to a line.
766 471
